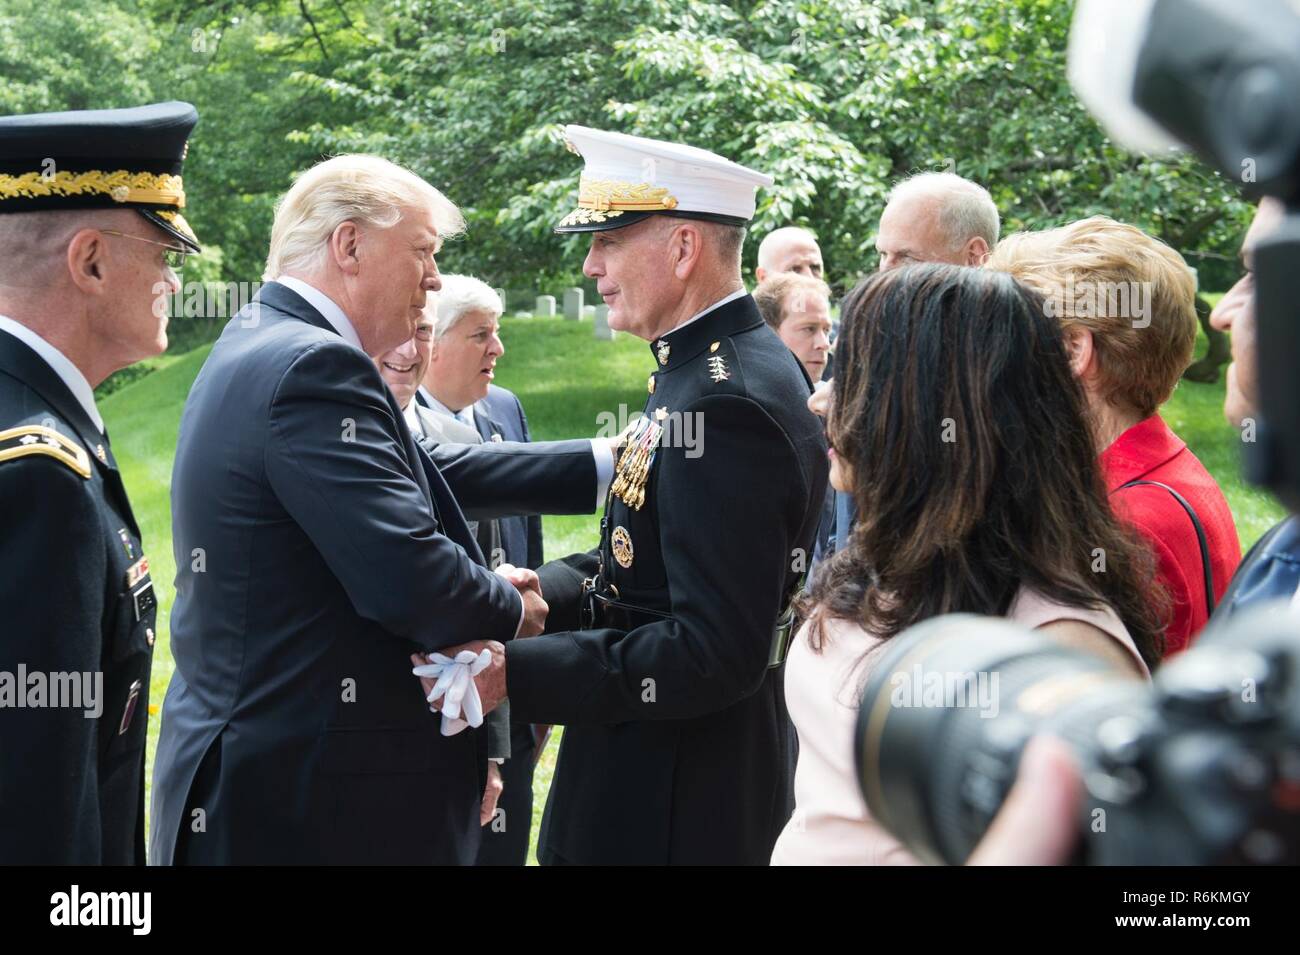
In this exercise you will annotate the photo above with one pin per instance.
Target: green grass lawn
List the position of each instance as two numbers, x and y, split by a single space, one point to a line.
565 379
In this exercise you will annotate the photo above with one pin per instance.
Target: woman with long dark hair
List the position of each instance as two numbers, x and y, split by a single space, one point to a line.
959 430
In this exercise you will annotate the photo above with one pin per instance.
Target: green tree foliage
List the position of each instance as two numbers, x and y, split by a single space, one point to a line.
58 56
837 99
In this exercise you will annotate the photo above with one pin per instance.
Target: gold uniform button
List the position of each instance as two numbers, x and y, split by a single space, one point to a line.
148 636
650 384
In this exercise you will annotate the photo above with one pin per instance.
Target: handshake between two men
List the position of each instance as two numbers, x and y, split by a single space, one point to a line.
490 681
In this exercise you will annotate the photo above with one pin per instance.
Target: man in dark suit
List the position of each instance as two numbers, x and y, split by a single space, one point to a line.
668 677
318 548
90 240
457 387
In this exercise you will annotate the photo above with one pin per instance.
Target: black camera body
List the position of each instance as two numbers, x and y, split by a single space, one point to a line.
1202 767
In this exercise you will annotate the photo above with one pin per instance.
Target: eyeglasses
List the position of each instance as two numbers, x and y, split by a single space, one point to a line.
173 257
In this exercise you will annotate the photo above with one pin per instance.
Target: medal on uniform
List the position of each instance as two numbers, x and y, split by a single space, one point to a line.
137 572
637 459
620 542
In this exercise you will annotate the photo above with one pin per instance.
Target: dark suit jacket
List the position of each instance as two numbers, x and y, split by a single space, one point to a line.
501 413
71 788
1269 572
317 547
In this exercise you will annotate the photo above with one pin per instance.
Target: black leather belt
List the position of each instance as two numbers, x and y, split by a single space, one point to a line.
601 610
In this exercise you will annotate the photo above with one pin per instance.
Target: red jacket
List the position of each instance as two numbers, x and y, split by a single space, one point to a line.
1151 452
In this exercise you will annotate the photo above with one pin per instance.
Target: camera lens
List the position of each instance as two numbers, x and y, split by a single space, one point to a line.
950 704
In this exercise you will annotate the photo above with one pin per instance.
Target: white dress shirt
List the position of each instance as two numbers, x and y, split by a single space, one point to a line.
464 415
328 308
600 450
412 416
740 292
59 363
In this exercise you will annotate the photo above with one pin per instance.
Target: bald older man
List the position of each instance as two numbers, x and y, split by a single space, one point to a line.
937 217
789 249
931 217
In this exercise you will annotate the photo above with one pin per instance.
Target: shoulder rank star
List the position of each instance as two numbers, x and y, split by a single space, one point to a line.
33 440
662 350
718 368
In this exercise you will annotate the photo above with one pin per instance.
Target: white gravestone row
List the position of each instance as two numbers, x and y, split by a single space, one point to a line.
573 304
574 309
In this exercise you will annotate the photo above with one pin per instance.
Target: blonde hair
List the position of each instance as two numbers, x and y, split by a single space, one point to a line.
1084 270
368 190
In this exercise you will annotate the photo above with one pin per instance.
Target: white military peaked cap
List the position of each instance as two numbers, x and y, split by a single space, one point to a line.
626 178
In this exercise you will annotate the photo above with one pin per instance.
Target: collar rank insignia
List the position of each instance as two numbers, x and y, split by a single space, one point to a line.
661 350
718 368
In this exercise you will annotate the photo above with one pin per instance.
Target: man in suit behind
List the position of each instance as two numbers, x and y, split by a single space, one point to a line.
318 547
929 217
458 390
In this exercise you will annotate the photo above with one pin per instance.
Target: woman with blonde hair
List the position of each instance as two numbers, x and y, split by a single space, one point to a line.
1126 302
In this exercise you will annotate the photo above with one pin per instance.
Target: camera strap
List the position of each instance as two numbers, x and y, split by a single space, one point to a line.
1200 539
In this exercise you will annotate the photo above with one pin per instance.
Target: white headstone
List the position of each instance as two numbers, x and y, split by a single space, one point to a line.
603 331
545 307
573 303
501 294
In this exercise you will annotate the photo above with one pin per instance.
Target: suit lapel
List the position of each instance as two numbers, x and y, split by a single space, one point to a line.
488 427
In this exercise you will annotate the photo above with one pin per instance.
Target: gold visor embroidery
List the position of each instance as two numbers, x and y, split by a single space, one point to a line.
121 185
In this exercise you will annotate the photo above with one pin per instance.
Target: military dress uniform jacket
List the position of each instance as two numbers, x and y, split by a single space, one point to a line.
677 747
77 599
317 547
